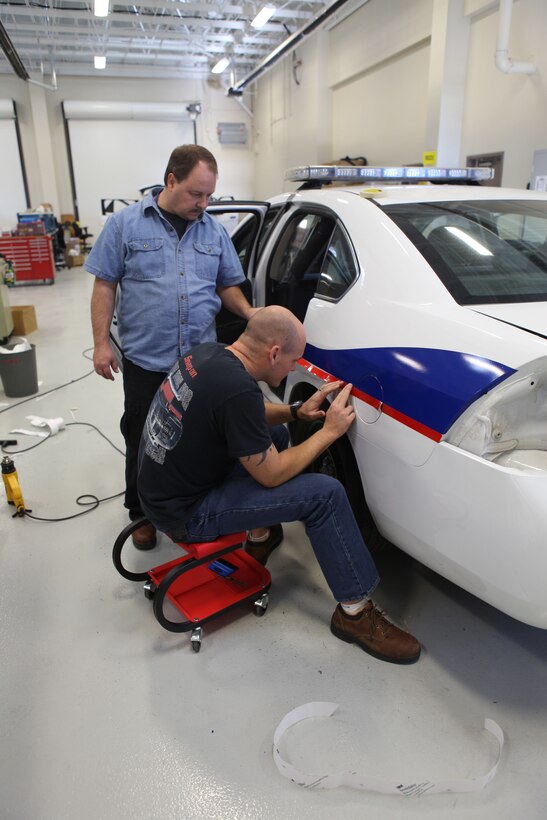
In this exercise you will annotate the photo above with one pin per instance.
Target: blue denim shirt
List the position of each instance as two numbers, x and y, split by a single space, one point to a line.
166 299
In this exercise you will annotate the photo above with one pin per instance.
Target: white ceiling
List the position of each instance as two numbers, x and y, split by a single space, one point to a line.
155 38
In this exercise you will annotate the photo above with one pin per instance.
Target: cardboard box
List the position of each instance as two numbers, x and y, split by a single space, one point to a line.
24 319
75 261
72 244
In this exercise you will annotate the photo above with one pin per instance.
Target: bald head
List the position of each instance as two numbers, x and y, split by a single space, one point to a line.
271 344
275 325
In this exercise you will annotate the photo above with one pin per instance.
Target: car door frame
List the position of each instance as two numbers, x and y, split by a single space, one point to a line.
229 326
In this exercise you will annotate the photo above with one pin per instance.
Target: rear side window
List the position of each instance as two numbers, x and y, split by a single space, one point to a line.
338 271
296 263
312 258
483 251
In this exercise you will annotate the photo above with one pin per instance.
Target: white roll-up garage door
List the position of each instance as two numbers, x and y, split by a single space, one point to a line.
117 148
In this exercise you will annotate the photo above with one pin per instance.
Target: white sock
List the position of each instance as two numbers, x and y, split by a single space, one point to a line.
260 539
354 609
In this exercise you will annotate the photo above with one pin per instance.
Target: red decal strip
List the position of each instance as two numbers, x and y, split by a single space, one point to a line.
423 429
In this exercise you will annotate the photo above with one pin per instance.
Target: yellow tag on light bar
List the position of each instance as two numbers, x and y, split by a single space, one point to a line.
429 158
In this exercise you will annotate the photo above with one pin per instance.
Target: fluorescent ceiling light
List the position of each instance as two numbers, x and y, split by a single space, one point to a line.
263 16
100 61
100 8
222 64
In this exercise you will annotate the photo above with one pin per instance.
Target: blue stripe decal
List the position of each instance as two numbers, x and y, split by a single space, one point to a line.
432 386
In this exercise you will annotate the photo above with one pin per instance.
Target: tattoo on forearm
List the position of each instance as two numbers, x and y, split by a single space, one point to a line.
261 456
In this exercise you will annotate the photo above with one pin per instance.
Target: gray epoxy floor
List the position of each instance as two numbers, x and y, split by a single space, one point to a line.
105 716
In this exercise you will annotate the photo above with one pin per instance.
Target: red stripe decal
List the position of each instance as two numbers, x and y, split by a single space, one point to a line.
423 429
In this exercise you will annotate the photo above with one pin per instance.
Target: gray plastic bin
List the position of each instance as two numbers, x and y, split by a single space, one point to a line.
18 372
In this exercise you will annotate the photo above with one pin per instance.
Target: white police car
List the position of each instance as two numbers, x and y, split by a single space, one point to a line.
431 299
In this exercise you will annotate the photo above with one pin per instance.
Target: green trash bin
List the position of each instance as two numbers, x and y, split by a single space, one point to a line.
18 371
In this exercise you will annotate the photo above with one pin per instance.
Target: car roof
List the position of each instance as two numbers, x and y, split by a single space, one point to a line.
399 194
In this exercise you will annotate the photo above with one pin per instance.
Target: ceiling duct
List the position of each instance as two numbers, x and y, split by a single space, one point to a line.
237 89
9 50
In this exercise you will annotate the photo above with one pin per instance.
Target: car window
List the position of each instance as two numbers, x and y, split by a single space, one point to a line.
243 237
243 234
339 270
483 251
297 261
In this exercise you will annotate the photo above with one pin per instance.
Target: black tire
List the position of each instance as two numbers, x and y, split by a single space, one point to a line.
196 646
259 611
339 462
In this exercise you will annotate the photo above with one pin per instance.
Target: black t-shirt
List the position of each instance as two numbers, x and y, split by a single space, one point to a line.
177 222
208 413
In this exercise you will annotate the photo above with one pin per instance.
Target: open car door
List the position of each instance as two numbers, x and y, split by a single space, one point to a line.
244 221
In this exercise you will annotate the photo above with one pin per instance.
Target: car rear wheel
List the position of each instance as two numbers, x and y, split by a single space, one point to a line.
339 462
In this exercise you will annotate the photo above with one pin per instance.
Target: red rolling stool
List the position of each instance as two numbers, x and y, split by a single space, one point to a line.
202 583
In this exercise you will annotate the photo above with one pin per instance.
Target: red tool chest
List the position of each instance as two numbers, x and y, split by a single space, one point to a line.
32 257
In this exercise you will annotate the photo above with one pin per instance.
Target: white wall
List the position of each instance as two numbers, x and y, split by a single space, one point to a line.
508 112
387 107
361 92
293 119
375 98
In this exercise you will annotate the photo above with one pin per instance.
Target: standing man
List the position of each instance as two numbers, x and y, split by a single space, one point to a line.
214 460
165 267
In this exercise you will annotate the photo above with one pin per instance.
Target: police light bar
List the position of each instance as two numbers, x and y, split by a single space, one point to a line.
352 173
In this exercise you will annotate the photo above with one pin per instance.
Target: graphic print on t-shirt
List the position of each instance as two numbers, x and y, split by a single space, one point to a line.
164 423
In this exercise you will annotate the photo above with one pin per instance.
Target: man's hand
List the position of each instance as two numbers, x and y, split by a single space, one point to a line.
311 409
272 468
104 361
340 415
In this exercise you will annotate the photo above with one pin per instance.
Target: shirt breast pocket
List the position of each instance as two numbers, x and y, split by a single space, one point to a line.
144 259
207 260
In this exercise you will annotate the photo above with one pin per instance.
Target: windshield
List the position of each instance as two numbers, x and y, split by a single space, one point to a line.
484 251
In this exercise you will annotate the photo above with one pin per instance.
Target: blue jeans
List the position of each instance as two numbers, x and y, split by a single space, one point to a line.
241 503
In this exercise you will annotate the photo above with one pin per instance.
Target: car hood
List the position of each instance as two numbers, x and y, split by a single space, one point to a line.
530 316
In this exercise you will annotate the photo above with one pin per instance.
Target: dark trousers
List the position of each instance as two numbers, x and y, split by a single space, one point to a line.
139 387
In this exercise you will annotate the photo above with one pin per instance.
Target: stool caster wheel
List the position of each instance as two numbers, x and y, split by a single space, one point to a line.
149 590
261 605
195 639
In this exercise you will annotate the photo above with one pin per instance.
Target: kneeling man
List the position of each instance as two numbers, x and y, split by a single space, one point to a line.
214 459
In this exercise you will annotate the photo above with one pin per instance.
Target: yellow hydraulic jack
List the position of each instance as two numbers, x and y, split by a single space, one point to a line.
13 490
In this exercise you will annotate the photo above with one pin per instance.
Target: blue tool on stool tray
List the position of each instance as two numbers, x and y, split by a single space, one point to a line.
210 578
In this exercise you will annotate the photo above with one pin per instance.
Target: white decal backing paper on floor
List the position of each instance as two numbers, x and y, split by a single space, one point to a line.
374 784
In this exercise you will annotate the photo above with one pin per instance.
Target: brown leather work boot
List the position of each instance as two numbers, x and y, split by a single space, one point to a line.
144 538
262 550
375 634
